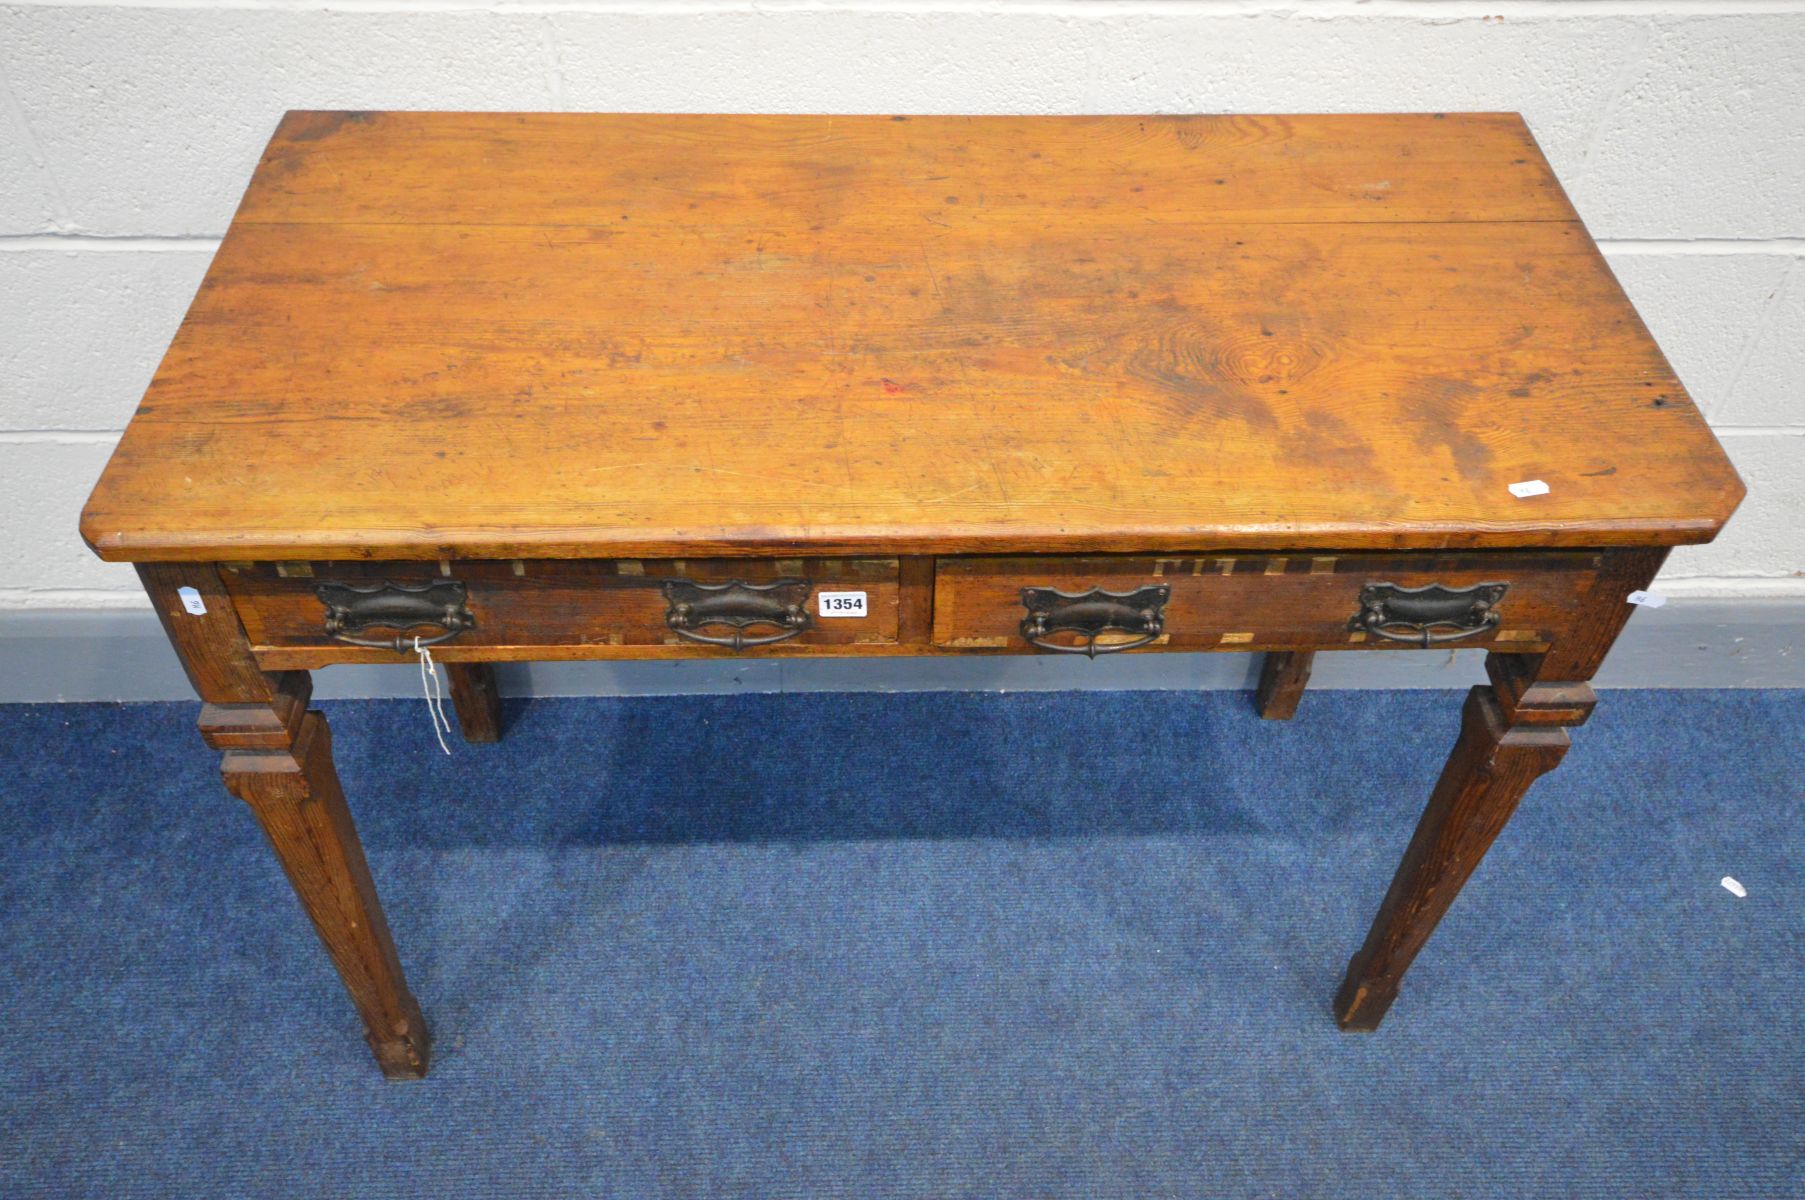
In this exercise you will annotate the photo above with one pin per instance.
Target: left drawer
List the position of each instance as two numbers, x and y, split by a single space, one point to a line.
309 614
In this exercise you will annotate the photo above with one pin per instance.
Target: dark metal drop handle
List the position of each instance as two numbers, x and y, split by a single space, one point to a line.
1428 616
1092 614
353 609
781 606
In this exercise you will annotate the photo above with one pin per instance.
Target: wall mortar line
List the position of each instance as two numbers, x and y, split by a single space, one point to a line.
61 243
1428 11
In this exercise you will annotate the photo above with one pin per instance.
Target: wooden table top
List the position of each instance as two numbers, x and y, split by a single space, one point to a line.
506 335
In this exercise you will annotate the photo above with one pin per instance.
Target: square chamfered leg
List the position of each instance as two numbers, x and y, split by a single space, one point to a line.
276 756
1283 677
1511 734
1492 766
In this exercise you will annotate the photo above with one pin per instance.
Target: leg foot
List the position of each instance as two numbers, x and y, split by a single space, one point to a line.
1283 676
407 1052
1492 765
478 703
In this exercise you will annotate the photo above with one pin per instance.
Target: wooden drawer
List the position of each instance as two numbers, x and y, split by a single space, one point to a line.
538 608
1265 602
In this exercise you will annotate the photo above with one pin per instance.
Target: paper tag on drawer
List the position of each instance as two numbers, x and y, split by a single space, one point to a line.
191 600
843 604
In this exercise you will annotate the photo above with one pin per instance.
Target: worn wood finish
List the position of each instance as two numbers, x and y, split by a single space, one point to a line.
295 795
1493 763
476 699
277 758
585 337
1513 732
1283 677
602 605
1261 362
915 611
1602 616
875 173
1301 600
210 645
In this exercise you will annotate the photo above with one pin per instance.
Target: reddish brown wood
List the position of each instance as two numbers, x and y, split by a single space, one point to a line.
1491 767
1262 360
1526 702
268 726
597 604
296 797
211 645
278 759
687 336
1283 677
478 703
1300 600
1512 733
1581 650
915 609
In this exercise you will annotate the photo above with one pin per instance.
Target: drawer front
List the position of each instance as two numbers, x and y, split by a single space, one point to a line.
544 605
1260 602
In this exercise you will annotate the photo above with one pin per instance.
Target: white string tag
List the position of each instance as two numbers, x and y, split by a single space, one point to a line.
435 699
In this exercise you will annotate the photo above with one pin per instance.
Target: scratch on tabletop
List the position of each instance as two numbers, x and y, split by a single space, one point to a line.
932 278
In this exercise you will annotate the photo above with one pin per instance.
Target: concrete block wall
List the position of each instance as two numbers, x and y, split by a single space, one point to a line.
127 131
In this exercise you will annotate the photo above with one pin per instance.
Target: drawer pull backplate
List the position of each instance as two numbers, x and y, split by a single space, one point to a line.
1092 614
1402 614
352 609
781 605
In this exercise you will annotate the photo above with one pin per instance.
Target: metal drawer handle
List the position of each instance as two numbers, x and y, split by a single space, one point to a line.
1401 614
1091 614
781 605
353 608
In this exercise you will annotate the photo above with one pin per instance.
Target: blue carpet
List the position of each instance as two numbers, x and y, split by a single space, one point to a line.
935 945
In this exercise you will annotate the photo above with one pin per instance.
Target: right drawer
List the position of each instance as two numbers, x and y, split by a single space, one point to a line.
1103 603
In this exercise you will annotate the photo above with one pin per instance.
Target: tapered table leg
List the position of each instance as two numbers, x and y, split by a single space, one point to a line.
296 797
1283 676
1511 733
1492 765
478 702
276 756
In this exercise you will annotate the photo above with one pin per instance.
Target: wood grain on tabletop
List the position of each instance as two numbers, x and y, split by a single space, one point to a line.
494 335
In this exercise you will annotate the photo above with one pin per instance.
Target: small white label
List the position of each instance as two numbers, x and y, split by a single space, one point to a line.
843 604
1528 488
191 600
1734 888
1647 599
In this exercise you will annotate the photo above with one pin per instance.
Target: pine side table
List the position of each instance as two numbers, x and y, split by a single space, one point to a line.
560 386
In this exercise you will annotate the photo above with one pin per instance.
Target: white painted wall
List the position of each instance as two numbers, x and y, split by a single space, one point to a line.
128 129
